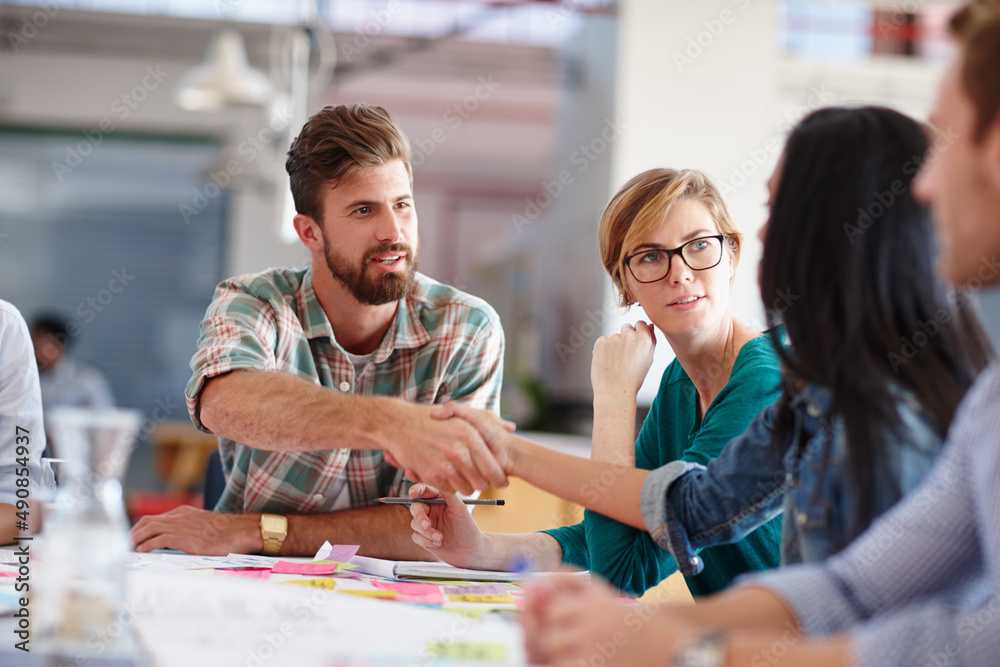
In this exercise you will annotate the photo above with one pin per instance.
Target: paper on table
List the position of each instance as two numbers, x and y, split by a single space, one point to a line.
179 561
185 619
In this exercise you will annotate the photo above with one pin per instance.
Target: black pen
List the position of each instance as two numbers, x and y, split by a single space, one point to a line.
437 501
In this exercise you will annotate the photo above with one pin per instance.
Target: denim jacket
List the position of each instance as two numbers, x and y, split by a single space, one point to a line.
687 506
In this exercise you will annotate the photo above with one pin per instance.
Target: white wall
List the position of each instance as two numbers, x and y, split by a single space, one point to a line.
697 88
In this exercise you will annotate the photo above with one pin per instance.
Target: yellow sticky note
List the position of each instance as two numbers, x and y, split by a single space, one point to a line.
475 613
468 651
318 583
387 595
495 598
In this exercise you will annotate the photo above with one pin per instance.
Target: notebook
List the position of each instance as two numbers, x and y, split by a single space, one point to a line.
415 569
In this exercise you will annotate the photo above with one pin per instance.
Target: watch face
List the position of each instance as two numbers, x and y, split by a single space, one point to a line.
273 524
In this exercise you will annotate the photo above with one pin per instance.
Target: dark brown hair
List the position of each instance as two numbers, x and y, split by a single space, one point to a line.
337 143
976 27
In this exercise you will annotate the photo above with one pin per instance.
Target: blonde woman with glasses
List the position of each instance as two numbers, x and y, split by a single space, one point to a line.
669 243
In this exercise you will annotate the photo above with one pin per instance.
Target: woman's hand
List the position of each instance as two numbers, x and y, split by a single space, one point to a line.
570 621
622 360
496 432
447 531
619 366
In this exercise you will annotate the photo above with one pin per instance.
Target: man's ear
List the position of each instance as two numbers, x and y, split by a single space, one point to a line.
309 232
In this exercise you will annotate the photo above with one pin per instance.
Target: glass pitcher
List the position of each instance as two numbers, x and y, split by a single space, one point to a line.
79 593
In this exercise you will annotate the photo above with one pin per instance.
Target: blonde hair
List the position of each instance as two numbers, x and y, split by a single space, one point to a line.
638 208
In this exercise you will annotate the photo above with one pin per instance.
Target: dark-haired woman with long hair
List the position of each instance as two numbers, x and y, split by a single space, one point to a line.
879 357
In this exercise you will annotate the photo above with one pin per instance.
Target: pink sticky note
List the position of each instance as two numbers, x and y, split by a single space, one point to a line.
246 572
412 591
314 568
343 552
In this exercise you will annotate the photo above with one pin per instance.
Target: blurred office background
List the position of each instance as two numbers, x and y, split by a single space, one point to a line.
127 193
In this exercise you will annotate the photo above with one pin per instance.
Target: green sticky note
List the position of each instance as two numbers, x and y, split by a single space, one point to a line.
468 651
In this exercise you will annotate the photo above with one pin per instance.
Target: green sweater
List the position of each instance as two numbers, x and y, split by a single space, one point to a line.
629 558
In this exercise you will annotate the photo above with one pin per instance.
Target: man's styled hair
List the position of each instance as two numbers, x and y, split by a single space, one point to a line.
335 144
639 207
976 27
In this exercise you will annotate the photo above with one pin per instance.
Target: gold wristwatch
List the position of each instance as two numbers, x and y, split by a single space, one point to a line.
273 530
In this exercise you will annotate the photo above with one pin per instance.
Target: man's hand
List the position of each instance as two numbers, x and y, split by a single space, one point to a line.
496 432
199 532
447 531
447 453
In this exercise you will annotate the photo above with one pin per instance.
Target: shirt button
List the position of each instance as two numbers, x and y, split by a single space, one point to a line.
345 386
318 498
802 519
788 478
695 561
812 410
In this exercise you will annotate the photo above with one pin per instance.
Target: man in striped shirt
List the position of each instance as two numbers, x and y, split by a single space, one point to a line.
320 382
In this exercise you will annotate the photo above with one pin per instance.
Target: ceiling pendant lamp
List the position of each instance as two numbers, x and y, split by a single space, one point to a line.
224 79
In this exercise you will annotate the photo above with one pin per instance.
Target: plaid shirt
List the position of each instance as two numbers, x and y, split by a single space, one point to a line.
443 345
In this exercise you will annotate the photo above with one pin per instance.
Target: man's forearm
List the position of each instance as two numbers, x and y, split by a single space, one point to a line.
382 532
279 412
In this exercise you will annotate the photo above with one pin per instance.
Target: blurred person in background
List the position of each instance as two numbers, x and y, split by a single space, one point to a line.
65 381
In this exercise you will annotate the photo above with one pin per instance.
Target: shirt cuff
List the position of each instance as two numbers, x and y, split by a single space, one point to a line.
660 519
813 595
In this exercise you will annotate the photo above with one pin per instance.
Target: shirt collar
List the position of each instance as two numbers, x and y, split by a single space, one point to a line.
406 330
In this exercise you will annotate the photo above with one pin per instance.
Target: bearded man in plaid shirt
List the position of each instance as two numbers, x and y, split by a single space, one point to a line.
321 382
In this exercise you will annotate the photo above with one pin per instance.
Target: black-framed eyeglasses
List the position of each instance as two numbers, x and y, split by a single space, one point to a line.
652 264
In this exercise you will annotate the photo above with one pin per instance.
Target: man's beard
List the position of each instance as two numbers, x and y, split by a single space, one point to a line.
378 289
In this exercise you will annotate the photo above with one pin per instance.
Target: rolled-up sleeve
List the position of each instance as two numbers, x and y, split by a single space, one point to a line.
687 506
237 333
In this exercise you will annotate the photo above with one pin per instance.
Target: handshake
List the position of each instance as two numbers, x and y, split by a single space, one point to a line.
453 447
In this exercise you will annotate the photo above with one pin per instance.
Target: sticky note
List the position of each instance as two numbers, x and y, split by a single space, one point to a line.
318 583
386 595
482 589
468 651
493 599
246 572
317 567
412 592
337 552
